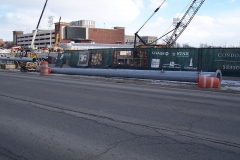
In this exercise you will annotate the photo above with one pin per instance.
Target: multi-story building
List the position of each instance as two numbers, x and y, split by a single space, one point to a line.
42 39
94 35
82 31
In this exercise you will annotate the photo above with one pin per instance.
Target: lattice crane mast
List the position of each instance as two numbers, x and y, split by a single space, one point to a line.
57 34
184 21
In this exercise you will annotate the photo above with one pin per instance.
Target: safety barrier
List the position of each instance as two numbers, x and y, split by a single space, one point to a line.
49 70
44 70
208 82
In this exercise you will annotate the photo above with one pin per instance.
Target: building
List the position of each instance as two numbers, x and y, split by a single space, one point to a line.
94 35
83 23
15 36
42 38
1 42
129 39
82 31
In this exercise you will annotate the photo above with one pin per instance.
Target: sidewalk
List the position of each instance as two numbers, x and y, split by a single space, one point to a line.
231 81
231 78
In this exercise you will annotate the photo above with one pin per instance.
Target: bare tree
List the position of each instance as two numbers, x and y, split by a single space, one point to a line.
203 45
8 45
185 45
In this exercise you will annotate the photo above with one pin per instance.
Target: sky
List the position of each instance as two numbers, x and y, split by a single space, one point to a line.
217 23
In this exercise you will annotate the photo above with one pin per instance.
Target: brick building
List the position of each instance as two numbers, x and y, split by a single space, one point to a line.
1 42
15 36
94 35
82 31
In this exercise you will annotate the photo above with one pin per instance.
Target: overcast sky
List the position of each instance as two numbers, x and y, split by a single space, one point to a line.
216 23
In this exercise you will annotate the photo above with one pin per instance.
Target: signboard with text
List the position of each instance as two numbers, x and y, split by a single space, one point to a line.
175 59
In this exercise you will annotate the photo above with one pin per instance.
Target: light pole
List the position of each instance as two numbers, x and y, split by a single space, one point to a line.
50 23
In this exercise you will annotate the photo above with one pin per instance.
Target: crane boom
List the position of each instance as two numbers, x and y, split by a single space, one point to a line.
35 32
57 34
136 34
185 20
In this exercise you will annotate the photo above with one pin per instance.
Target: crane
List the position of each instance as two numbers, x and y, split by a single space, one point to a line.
31 51
56 48
179 28
183 23
136 34
57 34
32 47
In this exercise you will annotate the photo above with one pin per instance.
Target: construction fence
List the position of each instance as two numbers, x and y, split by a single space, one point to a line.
174 59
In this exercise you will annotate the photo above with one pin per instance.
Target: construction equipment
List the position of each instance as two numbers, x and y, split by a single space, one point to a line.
31 51
136 34
5 60
16 49
184 22
32 47
56 48
178 30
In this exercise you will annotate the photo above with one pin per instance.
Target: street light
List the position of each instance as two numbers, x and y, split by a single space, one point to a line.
50 23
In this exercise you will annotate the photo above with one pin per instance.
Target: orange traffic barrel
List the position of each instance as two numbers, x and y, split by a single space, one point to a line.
44 70
49 70
208 82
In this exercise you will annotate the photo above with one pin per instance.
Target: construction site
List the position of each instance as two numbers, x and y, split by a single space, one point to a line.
113 53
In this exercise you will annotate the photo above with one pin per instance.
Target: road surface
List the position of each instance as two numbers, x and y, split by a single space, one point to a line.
70 117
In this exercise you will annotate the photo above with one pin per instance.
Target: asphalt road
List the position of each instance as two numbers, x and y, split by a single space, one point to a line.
69 117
